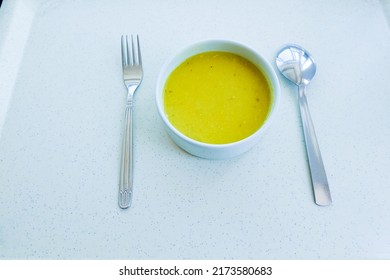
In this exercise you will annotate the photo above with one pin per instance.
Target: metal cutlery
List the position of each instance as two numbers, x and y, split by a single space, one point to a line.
132 76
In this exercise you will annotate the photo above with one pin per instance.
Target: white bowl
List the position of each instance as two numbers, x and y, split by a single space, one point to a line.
216 151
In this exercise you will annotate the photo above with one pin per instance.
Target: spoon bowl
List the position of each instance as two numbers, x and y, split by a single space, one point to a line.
298 66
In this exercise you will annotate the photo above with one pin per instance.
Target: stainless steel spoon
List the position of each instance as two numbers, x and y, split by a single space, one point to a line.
297 65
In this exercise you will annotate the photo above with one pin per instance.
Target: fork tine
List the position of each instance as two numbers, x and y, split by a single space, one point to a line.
123 49
133 56
139 52
129 58
133 61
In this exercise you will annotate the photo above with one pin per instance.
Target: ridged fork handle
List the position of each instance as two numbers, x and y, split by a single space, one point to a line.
318 175
127 168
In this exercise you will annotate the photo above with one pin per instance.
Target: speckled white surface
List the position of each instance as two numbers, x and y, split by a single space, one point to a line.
62 114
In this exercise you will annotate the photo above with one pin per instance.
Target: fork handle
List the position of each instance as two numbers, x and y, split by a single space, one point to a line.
126 176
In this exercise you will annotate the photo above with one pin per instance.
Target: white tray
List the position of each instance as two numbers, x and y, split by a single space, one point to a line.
62 114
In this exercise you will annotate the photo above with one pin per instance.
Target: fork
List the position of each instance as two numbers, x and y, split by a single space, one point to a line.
132 76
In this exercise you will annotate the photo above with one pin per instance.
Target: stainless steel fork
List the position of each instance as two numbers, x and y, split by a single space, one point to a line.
132 76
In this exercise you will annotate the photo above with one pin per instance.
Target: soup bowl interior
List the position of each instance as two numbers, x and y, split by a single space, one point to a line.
217 151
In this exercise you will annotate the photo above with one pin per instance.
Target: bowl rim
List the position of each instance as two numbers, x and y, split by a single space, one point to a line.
187 52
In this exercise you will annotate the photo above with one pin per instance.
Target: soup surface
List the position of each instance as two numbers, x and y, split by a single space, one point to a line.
217 97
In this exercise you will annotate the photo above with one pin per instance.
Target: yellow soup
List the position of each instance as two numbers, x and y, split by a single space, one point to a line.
217 97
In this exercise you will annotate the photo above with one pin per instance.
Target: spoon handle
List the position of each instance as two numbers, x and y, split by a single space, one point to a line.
317 170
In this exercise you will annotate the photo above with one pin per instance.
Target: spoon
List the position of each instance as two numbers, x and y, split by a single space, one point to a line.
297 65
